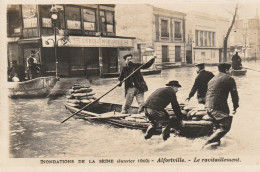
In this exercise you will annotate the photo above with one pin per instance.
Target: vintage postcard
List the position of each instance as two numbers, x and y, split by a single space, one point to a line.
130 85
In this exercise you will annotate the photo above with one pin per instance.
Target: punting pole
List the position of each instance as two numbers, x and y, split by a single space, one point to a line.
107 92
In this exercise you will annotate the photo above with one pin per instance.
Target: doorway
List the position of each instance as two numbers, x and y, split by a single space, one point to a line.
165 53
189 57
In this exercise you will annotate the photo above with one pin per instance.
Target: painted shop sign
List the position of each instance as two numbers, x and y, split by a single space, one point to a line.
46 22
30 23
77 41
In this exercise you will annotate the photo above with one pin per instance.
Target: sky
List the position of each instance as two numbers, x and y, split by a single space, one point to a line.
224 8
246 9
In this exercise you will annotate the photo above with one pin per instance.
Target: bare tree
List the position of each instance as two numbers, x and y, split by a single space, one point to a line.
228 33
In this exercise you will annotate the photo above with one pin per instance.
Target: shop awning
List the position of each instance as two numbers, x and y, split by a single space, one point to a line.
13 39
87 41
30 41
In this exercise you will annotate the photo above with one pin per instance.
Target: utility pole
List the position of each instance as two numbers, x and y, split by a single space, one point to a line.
100 42
244 36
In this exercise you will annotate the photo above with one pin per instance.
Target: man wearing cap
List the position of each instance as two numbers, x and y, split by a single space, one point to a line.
154 109
32 65
200 84
216 105
135 85
236 62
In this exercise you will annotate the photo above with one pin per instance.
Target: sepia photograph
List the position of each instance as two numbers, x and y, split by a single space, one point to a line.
135 84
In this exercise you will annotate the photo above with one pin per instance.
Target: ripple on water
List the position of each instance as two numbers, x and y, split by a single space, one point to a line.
46 137
39 134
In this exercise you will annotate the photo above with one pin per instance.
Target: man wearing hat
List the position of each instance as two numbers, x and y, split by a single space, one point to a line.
135 85
200 84
154 109
236 62
216 105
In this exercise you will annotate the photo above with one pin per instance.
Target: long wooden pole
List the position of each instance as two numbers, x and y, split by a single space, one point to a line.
106 92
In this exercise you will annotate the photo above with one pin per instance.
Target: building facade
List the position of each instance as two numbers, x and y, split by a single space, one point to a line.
86 40
245 38
154 28
204 37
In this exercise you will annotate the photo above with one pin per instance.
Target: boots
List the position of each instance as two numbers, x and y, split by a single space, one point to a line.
166 132
149 132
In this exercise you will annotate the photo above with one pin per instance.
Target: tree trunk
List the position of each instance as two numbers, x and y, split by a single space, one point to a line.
227 35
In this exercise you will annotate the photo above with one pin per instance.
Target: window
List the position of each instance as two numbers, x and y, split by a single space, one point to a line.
209 35
197 37
203 55
205 39
29 16
46 16
89 19
72 15
201 38
177 31
14 19
107 19
164 28
110 21
213 39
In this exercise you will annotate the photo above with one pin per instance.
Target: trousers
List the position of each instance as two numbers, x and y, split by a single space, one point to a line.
222 125
131 93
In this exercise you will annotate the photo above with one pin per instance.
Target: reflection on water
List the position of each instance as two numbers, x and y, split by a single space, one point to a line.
36 131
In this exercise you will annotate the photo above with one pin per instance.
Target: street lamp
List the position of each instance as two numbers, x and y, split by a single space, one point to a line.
54 17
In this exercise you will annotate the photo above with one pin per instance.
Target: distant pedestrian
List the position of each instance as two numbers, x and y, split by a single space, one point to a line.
135 86
32 66
216 105
201 83
236 62
16 72
154 109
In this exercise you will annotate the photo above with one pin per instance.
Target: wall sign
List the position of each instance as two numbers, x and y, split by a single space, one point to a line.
74 24
46 22
77 41
30 22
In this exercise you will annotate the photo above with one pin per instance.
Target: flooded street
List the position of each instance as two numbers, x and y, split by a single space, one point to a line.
36 131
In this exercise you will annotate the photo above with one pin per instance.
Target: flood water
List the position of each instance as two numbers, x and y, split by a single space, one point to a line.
36 130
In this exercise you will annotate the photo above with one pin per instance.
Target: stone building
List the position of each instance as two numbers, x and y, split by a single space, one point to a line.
245 38
154 28
204 37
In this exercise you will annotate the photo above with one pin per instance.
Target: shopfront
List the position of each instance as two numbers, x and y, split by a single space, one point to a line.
80 56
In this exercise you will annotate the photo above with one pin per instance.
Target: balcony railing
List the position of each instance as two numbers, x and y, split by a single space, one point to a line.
177 35
165 34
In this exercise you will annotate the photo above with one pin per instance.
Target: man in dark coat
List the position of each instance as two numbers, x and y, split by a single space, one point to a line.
201 83
135 85
216 105
236 62
154 109
33 67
